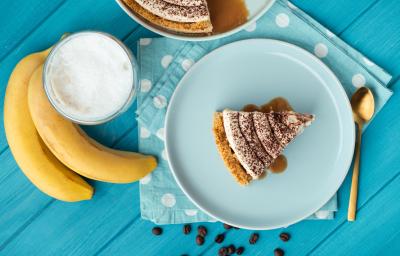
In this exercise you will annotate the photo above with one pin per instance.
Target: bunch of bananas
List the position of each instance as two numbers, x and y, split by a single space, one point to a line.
52 151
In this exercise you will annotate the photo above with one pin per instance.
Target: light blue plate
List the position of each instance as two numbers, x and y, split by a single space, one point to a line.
255 71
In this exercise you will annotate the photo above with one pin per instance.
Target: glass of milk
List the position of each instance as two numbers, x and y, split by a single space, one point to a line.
90 77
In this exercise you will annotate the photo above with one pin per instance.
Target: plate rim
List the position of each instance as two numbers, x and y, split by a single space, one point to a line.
341 90
154 29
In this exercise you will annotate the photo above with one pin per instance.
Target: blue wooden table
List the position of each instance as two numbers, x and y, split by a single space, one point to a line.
32 223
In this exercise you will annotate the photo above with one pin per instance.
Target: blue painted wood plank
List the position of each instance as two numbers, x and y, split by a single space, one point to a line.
336 15
74 228
380 225
377 34
72 16
18 18
19 199
86 226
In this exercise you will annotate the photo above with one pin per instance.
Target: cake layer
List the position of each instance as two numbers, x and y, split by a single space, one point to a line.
226 153
186 2
175 12
191 27
287 125
266 134
245 154
258 138
248 130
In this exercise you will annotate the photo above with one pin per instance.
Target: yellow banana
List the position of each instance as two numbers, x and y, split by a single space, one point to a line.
41 167
71 145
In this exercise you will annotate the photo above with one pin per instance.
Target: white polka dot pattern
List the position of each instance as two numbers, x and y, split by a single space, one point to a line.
145 41
322 214
368 62
329 34
251 27
144 133
358 80
161 133
160 101
321 50
191 212
145 85
146 179
168 200
166 60
291 6
186 64
164 155
282 20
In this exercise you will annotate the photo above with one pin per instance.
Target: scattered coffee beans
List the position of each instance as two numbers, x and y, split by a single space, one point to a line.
202 231
231 249
186 229
219 238
156 231
227 226
222 251
253 238
284 237
279 252
199 240
240 250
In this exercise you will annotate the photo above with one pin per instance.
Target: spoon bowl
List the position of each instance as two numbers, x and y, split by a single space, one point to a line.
363 105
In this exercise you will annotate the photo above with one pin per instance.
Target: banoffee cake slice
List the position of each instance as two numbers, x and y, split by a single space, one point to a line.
249 142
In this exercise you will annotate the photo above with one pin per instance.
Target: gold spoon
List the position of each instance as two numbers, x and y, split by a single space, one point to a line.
363 105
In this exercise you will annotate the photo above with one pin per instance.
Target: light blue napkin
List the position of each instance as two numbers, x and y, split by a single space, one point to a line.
164 61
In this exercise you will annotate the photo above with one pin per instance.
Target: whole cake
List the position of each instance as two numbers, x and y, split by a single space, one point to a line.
249 142
188 16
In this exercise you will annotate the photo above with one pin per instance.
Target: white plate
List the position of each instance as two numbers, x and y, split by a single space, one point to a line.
256 9
255 71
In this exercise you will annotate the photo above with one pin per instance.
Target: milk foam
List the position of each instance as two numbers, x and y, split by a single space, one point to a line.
90 76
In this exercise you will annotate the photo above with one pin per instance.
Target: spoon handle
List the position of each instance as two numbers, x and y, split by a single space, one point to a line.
351 213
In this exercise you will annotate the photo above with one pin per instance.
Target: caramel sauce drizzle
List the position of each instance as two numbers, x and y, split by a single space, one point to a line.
278 104
227 14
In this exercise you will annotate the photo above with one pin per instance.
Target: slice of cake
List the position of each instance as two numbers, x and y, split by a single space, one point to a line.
187 16
249 142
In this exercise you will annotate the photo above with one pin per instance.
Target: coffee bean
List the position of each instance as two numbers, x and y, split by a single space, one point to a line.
222 251
199 240
186 229
202 231
253 238
231 249
240 250
284 237
227 226
156 231
279 252
219 238
236 228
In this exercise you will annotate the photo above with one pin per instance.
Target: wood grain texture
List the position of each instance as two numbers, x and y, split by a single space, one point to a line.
380 30
18 19
379 222
336 15
34 224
